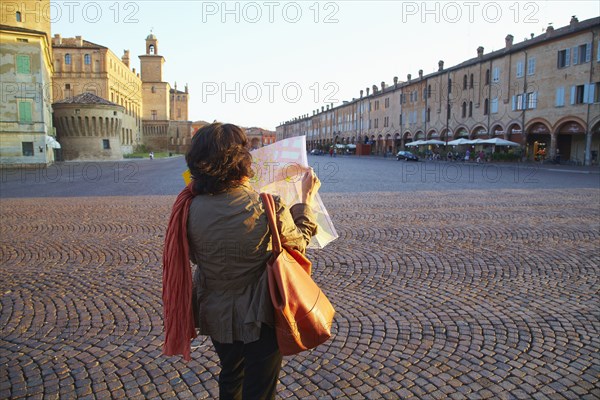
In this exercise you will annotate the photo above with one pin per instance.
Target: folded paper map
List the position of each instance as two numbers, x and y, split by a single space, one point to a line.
278 170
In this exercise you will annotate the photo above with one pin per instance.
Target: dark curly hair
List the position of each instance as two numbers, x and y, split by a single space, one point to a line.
219 158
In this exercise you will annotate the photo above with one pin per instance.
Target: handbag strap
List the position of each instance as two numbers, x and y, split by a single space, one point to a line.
269 204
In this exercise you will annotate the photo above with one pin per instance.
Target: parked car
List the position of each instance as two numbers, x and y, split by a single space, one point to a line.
406 155
316 152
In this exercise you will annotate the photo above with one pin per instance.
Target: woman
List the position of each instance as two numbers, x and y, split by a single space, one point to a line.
230 243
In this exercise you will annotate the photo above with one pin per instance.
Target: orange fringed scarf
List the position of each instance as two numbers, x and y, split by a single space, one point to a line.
177 280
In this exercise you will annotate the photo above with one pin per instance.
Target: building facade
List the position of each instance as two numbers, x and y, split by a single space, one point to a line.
26 130
258 137
543 93
81 66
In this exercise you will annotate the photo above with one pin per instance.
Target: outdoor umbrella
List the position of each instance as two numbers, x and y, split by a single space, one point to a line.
500 142
51 141
434 141
476 141
417 143
459 141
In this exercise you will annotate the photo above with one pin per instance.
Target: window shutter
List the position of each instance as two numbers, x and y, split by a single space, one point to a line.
494 108
423 116
598 53
531 67
519 69
591 90
586 92
23 66
534 100
573 93
567 57
514 103
575 55
24 111
560 97
588 52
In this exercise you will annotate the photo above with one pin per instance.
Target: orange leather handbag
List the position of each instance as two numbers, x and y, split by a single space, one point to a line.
303 314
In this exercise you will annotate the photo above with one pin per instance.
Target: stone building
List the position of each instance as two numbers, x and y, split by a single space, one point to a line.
26 130
90 127
81 66
179 104
543 92
258 137
165 124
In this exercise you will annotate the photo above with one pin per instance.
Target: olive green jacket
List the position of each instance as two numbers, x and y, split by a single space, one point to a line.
230 243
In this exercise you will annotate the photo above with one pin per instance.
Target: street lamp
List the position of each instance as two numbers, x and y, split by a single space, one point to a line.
447 108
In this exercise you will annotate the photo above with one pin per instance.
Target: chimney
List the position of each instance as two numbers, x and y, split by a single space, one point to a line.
361 94
133 70
574 21
420 74
441 65
532 35
374 89
322 108
186 88
125 57
395 81
78 41
480 51
549 29
508 40
382 86
327 107
368 92
408 77
57 39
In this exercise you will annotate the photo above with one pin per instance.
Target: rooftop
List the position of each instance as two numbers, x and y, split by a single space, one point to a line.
86 98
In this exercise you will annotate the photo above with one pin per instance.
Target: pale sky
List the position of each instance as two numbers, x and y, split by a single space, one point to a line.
260 63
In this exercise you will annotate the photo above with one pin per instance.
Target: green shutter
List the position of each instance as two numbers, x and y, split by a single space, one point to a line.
24 111
23 64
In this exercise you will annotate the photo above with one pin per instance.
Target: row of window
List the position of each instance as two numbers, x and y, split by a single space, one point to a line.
587 93
530 67
576 55
579 94
87 59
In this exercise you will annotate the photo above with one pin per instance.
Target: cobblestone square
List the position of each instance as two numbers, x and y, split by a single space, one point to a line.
472 293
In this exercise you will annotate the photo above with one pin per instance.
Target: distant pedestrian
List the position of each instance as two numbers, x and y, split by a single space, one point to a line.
467 155
151 155
480 157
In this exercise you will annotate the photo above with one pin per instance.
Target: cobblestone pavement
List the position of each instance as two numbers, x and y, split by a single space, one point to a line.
470 294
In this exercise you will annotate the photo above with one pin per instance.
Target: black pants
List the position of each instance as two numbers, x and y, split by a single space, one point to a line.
249 371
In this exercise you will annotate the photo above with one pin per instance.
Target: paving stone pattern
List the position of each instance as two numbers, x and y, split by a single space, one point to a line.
470 294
